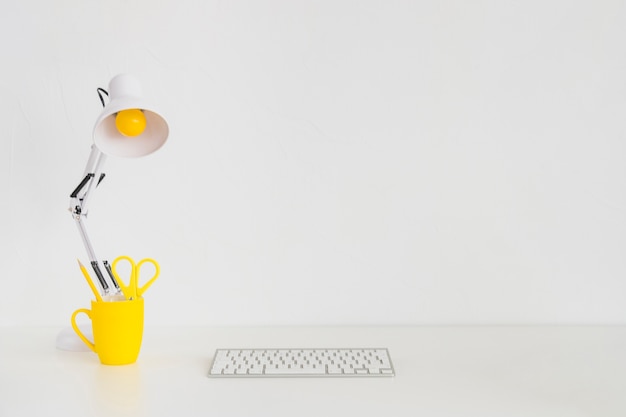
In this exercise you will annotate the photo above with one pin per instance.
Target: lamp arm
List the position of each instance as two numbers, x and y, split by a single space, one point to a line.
80 196
78 207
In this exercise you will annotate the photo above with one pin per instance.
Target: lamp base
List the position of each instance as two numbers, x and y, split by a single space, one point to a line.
68 340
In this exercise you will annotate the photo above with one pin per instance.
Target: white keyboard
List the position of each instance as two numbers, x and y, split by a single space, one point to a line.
360 362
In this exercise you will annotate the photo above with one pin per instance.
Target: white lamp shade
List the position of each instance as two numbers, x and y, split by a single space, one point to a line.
124 94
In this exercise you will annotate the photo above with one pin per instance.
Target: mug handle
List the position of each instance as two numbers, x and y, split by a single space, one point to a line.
77 330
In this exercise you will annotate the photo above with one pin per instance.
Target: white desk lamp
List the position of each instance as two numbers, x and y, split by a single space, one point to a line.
127 127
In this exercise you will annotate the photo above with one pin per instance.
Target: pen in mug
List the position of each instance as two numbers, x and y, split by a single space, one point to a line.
89 281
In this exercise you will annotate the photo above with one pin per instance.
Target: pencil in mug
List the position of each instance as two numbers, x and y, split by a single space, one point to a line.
89 281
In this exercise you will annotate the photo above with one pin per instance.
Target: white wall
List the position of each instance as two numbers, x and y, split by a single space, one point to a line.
329 161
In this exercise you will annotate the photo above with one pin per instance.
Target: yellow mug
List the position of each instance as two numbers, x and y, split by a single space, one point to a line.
117 330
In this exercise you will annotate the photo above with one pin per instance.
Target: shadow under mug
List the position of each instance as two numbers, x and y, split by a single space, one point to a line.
117 330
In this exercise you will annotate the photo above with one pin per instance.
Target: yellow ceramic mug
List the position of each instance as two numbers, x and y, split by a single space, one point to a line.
117 330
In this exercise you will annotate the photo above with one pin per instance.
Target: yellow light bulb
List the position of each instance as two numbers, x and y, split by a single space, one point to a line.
131 122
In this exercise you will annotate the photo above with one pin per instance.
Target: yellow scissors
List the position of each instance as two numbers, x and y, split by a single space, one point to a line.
133 290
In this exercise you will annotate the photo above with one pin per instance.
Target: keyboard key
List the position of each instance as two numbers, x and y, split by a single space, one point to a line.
256 370
334 370
294 371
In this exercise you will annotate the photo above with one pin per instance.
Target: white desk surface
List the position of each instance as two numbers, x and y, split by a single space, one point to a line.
441 371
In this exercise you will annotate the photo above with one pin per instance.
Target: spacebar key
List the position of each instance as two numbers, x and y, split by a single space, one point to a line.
295 371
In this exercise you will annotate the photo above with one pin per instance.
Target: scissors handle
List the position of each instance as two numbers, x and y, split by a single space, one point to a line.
144 287
133 289
130 290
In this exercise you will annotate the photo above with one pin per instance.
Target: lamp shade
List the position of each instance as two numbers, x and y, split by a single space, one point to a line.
125 94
